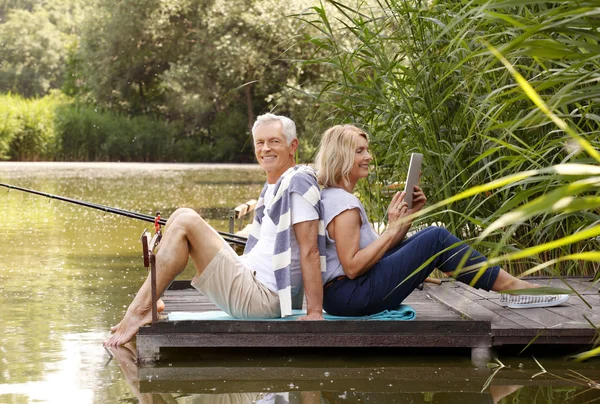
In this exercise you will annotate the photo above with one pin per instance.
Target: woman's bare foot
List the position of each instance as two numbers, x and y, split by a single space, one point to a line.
160 307
506 281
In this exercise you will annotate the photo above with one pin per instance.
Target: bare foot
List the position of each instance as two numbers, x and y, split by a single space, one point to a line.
521 284
505 281
129 326
499 392
160 307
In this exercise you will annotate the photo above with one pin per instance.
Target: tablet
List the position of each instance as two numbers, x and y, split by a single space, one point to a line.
412 179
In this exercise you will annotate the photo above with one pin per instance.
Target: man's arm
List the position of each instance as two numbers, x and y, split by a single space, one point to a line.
307 234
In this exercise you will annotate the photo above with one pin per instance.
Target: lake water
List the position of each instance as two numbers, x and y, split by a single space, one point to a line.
67 273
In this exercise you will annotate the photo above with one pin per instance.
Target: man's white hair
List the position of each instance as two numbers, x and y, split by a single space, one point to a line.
288 126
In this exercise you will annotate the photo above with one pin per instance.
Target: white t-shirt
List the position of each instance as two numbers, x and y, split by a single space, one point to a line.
260 259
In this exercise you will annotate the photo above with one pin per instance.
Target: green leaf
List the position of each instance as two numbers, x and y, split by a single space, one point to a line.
544 290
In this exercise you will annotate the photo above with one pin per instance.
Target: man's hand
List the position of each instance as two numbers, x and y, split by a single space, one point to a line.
312 317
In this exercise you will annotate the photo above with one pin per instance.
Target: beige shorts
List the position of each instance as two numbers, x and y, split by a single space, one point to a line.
235 289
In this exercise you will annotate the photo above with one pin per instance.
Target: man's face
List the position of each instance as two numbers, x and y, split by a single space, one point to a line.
273 153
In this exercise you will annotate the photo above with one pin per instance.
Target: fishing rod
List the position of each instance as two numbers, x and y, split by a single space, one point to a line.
229 237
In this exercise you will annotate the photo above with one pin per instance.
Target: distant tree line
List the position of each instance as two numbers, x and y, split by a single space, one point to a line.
195 72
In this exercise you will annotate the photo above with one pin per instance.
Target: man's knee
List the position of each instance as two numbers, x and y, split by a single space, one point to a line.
184 211
188 220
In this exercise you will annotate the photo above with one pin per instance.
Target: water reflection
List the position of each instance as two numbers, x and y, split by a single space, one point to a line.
219 378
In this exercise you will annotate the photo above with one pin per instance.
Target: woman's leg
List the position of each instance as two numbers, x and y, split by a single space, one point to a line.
410 239
397 274
390 281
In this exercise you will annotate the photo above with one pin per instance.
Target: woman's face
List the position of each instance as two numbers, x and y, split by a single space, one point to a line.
362 158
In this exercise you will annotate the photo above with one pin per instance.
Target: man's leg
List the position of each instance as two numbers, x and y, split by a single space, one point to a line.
186 234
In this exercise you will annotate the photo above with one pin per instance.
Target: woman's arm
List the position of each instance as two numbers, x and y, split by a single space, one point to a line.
344 229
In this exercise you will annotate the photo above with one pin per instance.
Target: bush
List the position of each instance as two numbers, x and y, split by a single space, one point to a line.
27 130
88 134
56 128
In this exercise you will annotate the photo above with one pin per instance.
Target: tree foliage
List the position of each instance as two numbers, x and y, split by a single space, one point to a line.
210 65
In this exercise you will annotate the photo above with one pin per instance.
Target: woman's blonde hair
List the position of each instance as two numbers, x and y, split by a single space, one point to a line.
335 158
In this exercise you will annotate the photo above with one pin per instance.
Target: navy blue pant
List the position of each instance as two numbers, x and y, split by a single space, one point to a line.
380 288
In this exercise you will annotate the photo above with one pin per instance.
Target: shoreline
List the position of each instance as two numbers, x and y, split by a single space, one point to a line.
126 166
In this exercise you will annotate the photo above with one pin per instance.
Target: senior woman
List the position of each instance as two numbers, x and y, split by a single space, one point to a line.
367 273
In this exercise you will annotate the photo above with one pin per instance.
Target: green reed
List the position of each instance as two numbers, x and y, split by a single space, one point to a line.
428 77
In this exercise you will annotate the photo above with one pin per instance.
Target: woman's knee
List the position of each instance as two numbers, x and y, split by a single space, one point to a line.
440 232
444 237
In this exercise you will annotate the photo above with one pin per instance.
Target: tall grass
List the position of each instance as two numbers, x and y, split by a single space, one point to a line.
27 127
56 128
425 76
87 134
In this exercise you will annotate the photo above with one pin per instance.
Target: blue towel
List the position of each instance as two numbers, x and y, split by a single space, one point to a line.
403 313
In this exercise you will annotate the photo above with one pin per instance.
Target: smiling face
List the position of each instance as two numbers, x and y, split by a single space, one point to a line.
362 159
272 152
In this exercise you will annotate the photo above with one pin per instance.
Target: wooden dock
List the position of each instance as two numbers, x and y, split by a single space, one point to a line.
451 315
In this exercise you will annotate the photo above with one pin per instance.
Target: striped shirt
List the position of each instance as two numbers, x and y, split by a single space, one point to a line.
301 180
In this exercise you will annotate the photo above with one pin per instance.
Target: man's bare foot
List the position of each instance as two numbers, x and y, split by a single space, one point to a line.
499 392
160 307
135 318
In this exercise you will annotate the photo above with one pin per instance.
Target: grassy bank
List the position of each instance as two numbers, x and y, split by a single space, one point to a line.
57 128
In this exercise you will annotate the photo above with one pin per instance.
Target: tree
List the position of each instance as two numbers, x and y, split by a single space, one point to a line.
33 53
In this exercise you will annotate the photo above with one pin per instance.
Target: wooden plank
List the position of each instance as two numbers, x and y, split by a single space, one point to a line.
543 337
564 316
587 291
583 286
312 340
245 208
545 317
575 316
454 299
317 327
495 306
